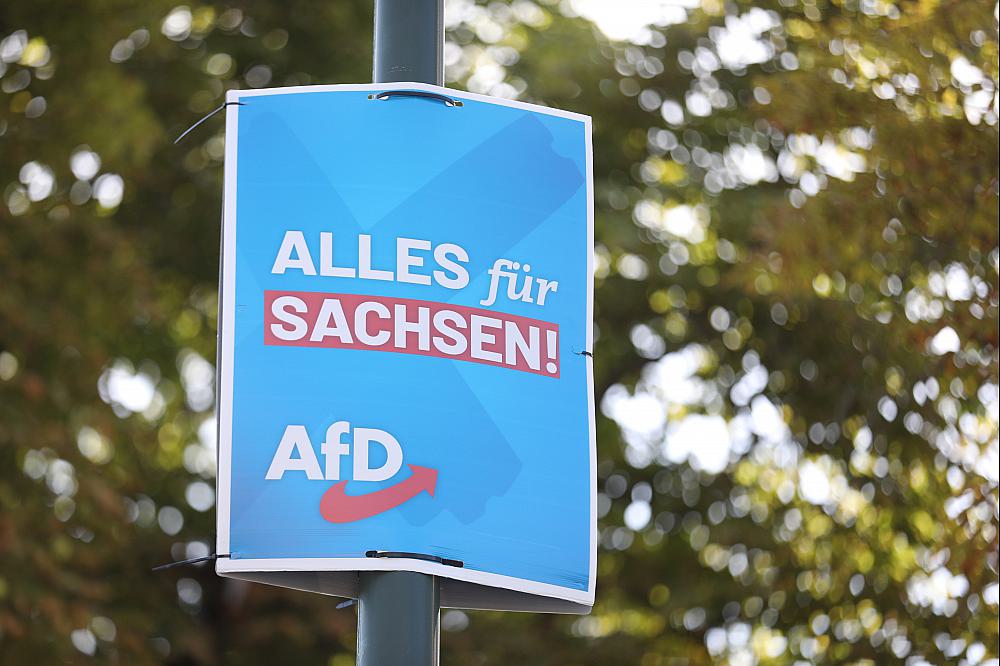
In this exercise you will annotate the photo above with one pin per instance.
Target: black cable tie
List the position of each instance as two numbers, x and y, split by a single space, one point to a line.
193 560
584 353
423 94
391 554
210 114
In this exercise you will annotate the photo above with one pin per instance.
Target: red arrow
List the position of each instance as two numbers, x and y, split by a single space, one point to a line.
339 507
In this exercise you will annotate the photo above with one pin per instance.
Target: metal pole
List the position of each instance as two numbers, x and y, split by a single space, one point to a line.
399 611
398 619
409 41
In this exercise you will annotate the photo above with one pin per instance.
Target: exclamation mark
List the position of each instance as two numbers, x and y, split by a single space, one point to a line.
551 351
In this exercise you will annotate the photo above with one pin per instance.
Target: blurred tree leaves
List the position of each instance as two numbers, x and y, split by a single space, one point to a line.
797 312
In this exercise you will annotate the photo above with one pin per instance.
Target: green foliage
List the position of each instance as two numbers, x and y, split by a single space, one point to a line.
797 366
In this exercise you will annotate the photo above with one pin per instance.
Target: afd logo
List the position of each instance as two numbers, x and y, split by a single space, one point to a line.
295 453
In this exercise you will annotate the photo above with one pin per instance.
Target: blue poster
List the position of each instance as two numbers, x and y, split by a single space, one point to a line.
405 380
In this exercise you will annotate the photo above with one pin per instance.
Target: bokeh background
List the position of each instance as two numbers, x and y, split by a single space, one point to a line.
797 298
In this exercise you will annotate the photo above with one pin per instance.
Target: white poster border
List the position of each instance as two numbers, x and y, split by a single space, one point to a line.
225 565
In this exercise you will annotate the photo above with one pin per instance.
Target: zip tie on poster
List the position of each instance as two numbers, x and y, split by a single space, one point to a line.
392 554
192 561
422 94
206 117
585 353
